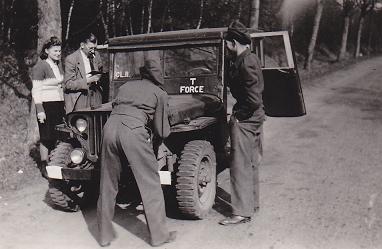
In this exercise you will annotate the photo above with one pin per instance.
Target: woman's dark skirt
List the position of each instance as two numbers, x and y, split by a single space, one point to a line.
55 113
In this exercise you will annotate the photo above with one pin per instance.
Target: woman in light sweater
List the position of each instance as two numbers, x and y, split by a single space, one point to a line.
47 76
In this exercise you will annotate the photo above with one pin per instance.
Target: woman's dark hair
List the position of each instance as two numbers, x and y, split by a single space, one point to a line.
53 41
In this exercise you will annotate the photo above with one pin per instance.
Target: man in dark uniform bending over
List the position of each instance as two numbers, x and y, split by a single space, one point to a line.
140 106
246 84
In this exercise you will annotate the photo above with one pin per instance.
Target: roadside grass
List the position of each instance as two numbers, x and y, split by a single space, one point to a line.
17 168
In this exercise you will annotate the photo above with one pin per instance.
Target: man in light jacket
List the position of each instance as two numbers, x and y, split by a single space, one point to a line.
81 85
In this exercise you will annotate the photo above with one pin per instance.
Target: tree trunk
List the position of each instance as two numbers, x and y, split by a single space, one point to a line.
359 35
150 16
130 21
3 20
124 23
164 14
239 10
370 38
107 18
344 40
49 24
69 18
104 23
2 13
254 14
113 23
10 16
200 15
49 21
316 27
142 17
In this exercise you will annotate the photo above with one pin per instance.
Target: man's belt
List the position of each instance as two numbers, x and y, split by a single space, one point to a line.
129 111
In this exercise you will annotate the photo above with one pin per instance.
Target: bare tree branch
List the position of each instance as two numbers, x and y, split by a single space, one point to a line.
313 40
103 21
348 9
201 14
143 17
69 18
164 14
254 14
150 9
365 6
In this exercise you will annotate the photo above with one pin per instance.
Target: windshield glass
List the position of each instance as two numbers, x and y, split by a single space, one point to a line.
176 62
185 62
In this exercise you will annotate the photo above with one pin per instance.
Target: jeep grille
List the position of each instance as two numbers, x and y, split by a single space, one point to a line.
95 132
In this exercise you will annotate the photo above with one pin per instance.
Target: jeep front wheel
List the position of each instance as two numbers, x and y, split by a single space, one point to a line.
66 195
196 179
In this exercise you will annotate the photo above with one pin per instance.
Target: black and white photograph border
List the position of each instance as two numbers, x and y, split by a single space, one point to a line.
319 170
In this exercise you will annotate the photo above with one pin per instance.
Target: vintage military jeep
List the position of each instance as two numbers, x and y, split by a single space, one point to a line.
194 65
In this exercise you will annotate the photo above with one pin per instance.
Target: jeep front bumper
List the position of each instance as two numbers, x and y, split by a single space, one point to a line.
57 172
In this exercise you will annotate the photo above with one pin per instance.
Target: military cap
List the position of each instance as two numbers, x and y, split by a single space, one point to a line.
237 31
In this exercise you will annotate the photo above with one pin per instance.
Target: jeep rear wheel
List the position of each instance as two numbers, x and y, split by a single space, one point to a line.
196 179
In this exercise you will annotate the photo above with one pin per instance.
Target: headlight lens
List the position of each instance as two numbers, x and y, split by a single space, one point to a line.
77 156
81 124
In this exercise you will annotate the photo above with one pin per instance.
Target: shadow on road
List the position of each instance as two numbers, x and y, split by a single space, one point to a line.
222 202
129 218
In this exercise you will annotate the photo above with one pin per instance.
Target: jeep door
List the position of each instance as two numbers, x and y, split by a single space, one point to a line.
282 94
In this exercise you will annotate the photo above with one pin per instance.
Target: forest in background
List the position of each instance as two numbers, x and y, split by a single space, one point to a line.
334 29
325 33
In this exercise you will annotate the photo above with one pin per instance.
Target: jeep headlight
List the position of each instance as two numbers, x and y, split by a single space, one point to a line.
81 124
77 156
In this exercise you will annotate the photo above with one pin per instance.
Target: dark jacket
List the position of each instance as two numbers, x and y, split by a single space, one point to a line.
246 83
145 100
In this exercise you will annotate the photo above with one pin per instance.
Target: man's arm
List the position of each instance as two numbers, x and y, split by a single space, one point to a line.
253 84
160 121
71 82
38 77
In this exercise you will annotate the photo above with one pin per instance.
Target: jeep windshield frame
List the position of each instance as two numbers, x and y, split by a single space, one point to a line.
192 60
203 80
176 62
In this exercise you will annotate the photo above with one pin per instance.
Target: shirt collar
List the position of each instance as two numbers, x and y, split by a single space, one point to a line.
54 67
51 62
241 56
84 55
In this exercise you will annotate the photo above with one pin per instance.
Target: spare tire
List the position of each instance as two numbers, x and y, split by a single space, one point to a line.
196 179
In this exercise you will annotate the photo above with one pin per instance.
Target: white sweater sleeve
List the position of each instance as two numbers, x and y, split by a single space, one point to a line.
37 91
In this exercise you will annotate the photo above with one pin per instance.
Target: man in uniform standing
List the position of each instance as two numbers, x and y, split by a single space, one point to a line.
246 84
140 107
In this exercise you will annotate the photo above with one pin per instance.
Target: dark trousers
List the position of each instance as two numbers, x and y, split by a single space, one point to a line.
55 113
246 153
126 137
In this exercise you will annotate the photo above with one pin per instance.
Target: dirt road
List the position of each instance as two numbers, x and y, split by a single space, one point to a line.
321 183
